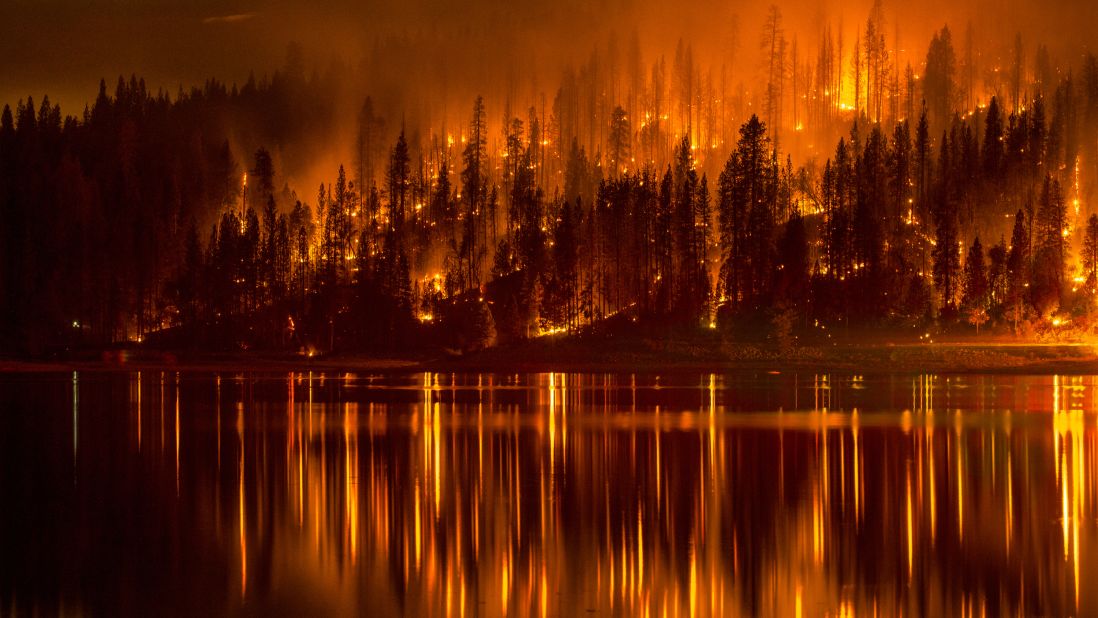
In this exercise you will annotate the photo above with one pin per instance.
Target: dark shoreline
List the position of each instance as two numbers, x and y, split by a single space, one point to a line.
632 357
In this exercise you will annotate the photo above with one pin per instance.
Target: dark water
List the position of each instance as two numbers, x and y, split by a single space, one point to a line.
759 494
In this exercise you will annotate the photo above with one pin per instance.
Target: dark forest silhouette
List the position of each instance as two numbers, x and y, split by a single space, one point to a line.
138 221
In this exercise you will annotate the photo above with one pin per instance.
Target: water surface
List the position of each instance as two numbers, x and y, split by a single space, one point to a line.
549 494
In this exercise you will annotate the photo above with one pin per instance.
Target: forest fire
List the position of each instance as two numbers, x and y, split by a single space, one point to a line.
415 218
549 307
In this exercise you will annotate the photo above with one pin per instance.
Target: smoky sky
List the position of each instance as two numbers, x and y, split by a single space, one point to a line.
63 47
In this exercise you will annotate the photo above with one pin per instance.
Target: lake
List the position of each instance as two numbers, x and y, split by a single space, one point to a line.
747 493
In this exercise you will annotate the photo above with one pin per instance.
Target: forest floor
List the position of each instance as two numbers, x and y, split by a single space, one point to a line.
623 354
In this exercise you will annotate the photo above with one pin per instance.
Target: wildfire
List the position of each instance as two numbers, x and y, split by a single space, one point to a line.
1078 192
435 281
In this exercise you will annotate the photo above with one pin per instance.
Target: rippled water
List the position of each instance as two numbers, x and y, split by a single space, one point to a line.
558 494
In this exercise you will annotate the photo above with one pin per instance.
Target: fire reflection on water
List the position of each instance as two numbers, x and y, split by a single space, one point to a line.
554 494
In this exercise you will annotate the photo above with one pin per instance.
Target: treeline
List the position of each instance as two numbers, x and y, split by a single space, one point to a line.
136 222
95 208
898 228
887 233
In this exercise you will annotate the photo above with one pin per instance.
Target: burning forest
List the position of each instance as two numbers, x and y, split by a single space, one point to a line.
853 184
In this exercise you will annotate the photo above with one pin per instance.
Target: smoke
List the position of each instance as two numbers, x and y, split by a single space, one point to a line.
229 19
423 61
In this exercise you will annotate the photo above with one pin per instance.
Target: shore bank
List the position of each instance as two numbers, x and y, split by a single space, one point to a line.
618 356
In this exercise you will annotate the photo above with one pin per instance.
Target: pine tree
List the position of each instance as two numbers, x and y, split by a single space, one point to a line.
261 177
792 285
399 178
993 141
922 182
269 247
947 260
939 81
1018 266
473 179
1050 252
747 195
620 141
975 287
997 275
190 286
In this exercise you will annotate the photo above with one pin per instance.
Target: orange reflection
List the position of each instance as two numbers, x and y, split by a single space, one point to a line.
558 494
